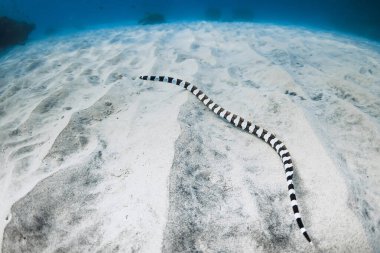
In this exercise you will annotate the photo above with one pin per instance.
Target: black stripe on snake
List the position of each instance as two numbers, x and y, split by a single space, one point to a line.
251 128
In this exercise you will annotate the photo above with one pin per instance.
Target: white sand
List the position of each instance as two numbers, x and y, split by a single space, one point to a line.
93 159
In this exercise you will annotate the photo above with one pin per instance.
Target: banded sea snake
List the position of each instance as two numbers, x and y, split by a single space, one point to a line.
251 128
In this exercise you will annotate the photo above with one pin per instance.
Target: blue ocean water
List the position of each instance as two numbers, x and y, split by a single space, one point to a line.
358 17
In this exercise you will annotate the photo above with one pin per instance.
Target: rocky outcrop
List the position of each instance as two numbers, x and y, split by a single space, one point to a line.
152 19
13 32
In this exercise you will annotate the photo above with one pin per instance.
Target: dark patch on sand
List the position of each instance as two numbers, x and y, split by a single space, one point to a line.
58 205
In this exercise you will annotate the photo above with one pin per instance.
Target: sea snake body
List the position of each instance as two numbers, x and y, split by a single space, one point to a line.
251 128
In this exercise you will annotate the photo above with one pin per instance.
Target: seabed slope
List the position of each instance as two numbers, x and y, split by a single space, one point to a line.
92 159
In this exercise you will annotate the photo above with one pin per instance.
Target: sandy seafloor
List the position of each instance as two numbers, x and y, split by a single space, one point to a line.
94 160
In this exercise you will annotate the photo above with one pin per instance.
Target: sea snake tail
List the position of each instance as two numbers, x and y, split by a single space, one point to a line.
251 128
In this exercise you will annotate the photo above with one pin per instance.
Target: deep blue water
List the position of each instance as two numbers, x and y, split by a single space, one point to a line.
358 17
